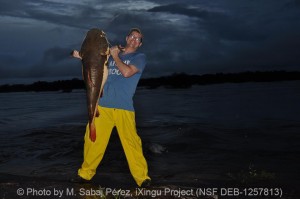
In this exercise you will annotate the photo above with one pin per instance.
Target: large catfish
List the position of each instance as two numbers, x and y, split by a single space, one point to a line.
94 53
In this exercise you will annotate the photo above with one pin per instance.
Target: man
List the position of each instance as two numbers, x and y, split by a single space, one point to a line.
116 110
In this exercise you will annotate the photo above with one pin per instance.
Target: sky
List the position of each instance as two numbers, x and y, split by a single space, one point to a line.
190 36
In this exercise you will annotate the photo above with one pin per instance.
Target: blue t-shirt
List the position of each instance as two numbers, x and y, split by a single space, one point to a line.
118 91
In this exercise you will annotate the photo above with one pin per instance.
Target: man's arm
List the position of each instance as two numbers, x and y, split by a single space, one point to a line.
126 70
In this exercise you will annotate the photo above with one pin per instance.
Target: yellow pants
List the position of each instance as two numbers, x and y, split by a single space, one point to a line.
131 142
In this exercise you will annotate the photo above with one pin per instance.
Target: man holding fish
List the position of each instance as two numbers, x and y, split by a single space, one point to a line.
125 67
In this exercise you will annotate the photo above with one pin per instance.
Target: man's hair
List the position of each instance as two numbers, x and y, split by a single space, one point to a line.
136 30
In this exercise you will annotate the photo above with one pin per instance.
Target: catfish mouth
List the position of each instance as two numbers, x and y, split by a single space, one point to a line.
104 51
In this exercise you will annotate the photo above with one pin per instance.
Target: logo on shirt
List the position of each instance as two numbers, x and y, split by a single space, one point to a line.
113 69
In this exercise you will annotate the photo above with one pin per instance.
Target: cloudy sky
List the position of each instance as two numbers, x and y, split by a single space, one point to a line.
191 36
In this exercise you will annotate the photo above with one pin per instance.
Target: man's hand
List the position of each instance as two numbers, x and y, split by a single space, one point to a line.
114 51
75 54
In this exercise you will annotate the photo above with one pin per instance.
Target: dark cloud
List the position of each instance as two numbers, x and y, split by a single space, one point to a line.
220 24
60 13
182 9
12 8
56 62
195 37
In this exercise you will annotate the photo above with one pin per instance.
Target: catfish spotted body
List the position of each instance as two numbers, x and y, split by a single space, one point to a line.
94 53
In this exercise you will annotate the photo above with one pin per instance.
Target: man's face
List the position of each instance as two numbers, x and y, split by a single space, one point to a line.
134 40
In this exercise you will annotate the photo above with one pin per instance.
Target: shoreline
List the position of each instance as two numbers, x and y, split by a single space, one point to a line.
174 81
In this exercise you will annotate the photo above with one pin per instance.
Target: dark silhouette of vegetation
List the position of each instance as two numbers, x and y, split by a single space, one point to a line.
177 80
60 85
182 80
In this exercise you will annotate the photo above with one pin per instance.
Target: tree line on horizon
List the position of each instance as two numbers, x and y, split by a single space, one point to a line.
176 80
